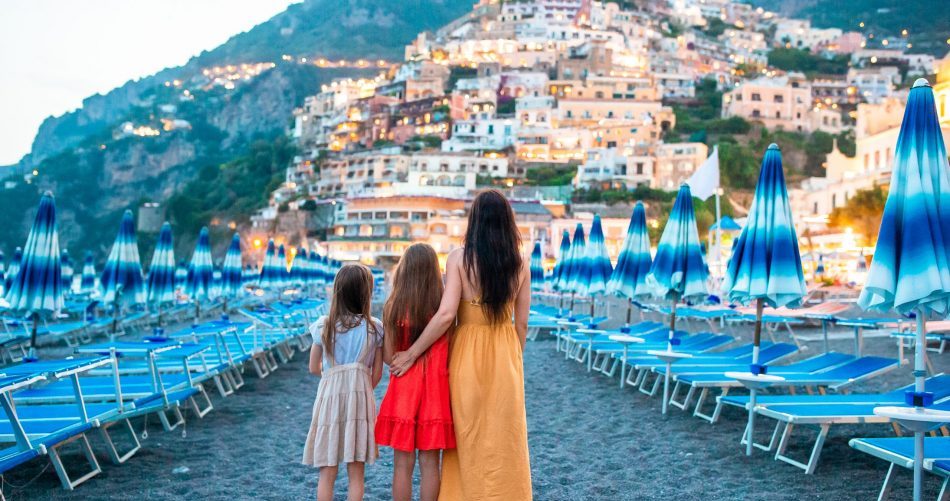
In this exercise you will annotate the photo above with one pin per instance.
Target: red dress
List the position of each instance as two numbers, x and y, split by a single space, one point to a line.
416 412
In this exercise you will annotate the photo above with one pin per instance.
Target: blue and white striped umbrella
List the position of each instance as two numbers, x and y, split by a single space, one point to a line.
87 283
557 276
633 264
299 269
537 269
282 261
38 284
181 274
910 271
765 263
232 281
217 280
66 263
161 272
13 269
597 269
679 272
766 267
575 260
121 282
199 283
250 274
270 272
315 277
679 269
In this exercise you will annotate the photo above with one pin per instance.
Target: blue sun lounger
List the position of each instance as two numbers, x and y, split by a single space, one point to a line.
839 378
824 415
43 430
703 378
899 452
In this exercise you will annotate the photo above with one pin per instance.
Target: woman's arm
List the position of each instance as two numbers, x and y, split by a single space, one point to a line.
316 360
378 367
523 304
387 348
440 322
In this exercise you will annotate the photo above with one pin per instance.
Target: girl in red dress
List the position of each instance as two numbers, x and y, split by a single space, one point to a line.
416 414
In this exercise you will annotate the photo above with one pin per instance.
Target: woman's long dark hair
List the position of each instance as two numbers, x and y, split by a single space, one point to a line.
492 257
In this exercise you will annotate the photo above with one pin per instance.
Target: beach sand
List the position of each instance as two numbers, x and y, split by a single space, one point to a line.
589 440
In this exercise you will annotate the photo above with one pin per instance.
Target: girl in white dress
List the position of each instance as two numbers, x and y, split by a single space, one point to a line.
347 355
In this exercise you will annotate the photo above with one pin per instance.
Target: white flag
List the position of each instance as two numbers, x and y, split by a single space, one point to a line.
705 181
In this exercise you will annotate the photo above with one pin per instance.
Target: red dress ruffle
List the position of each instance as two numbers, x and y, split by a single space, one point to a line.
416 413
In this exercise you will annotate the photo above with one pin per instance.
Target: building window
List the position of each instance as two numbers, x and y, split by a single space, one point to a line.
778 114
756 96
778 98
639 168
756 114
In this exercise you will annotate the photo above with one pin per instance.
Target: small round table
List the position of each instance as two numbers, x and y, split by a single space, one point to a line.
753 382
668 357
626 340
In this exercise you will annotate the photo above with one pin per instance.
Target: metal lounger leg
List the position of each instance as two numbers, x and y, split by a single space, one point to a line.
888 483
685 403
54 458
718 410
110 444
223 385
166 423
201 412
815 452
698 410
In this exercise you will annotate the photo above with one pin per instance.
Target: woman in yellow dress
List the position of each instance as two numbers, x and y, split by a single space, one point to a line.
487 283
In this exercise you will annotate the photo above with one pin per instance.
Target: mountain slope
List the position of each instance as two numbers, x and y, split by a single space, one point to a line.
925 20
96 172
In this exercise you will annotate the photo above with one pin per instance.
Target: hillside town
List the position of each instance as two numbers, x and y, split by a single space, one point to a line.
587 88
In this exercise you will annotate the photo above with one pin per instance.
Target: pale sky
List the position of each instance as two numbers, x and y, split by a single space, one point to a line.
54 53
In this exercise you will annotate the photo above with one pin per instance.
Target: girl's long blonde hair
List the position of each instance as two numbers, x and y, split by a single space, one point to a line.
415 297
351 303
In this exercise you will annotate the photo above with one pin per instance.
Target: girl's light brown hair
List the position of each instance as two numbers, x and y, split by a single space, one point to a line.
415 296
351 304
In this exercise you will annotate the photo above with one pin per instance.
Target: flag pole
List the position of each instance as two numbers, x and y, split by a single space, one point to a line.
718 236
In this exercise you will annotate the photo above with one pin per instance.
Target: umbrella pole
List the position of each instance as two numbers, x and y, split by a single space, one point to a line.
629 310
919 374
669 363
197 310
36 326
756 340
115 320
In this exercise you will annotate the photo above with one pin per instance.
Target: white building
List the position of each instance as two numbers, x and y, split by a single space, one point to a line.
481 135
874 83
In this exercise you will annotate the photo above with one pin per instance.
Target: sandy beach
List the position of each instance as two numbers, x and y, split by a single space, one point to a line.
589 440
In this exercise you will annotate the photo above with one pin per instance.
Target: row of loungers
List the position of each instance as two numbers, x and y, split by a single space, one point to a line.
51 404
815 392
81 324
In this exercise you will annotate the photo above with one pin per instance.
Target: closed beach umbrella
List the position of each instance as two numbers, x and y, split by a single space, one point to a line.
633 264
38 285
597 269
678 272
564 251
232 281
181 274
121 282
66 263
13 269
537 269
910 270
298 269
316 264
766 267
87 283
250 274
160 285
198 285
575 260
284 273
270 271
